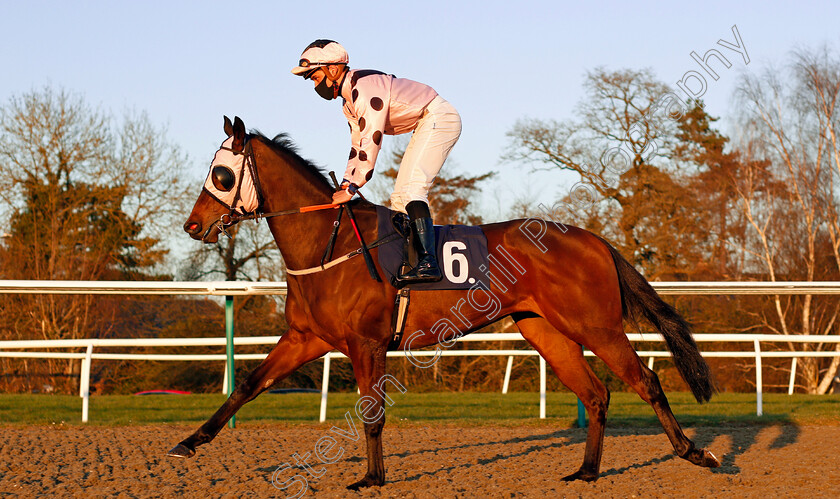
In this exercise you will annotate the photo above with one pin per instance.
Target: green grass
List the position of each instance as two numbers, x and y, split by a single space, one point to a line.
626 409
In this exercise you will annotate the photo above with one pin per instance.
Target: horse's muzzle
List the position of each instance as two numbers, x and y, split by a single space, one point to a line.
192 228
209 234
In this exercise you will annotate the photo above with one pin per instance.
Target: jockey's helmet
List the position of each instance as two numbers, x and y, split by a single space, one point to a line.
320 53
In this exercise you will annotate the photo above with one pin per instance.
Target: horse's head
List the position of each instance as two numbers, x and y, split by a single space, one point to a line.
230 187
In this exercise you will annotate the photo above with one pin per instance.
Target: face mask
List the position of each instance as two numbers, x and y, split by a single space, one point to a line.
324 90
230 180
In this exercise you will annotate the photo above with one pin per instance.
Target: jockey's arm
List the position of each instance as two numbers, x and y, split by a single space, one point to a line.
367 127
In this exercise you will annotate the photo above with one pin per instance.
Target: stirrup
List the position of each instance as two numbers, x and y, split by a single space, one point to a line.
425 271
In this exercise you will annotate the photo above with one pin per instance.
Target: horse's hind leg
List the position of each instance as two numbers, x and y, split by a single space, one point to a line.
292 351
622 359
566 360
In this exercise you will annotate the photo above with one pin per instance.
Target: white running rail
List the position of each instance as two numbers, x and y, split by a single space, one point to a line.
20 349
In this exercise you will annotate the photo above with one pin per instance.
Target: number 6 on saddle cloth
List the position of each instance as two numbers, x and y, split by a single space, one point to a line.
462 252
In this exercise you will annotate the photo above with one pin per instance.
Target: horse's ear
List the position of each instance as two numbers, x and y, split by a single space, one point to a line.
238 134
228 127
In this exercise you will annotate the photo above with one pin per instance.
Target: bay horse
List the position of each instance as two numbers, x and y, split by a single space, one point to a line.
576 290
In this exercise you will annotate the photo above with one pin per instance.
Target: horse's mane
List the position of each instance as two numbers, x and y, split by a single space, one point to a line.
283 144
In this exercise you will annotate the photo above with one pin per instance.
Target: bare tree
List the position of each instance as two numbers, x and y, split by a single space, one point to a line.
85 196
788 121
620 144
619 109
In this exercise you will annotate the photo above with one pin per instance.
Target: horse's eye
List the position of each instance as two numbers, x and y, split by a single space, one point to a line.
223 178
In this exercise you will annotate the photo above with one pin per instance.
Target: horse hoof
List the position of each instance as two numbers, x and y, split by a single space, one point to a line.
702 457
709 460
181 451
366 482
586 476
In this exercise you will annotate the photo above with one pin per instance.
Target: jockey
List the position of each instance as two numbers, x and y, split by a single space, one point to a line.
376 103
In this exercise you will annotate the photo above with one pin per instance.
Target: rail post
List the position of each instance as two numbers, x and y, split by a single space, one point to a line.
759 410
231 375
325 385
506 383
84 383
792 376
542 388
225 390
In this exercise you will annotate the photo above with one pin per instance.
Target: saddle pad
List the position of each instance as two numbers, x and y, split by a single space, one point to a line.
461 250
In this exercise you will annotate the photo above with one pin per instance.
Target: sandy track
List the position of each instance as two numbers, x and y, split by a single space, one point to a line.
785 461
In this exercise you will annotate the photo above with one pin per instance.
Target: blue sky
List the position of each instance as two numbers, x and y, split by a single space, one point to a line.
188 63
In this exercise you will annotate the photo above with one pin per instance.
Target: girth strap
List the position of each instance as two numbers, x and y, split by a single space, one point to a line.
342 259
398 318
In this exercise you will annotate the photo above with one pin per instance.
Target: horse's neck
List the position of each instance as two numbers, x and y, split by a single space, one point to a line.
285 186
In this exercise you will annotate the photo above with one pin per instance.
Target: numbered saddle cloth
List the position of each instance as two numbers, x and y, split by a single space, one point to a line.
461 253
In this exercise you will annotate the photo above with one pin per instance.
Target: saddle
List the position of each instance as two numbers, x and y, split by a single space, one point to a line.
461 252
462 255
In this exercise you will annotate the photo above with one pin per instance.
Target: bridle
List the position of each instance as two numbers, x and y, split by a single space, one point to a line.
228 219
234 216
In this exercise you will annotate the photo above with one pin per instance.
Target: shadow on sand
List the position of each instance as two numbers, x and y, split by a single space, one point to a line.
741 436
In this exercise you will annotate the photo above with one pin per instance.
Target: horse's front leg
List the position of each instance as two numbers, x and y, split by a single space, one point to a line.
368 357
292 351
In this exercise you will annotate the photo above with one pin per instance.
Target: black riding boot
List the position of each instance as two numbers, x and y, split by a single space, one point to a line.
426 270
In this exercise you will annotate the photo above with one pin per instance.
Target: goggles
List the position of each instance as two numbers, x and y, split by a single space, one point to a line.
306 63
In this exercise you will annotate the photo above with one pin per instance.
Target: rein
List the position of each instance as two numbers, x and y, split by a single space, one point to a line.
233 218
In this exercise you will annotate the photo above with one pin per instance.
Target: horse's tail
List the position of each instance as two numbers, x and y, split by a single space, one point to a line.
639 299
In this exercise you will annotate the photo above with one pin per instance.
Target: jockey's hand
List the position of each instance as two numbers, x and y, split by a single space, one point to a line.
341 197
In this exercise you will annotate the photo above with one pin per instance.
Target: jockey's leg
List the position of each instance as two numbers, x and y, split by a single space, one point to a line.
423 238
435 135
